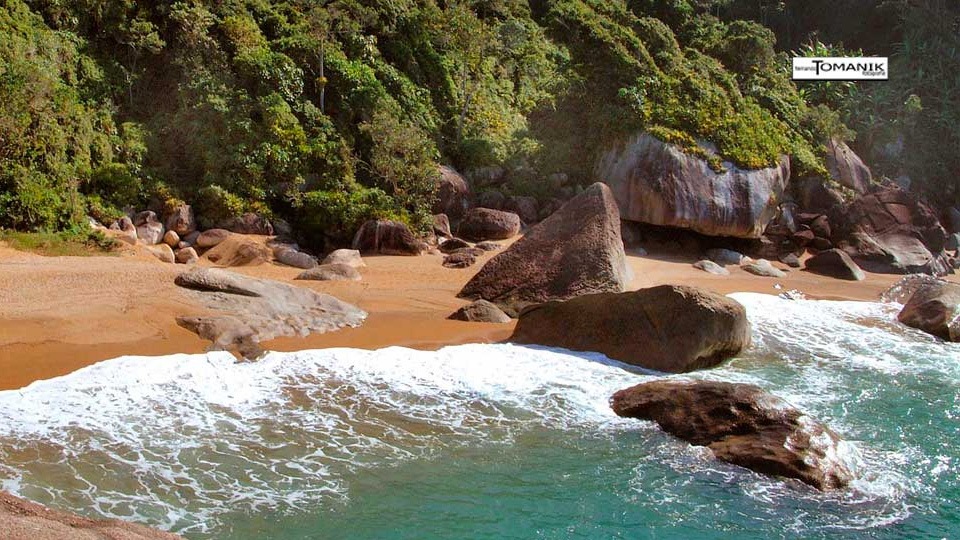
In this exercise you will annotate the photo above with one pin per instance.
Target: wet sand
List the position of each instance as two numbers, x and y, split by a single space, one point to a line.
58 314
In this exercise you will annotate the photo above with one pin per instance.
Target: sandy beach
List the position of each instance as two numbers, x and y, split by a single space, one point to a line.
58 314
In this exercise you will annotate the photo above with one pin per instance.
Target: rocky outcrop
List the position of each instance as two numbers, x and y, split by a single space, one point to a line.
453 193
890 231
345 256
253 310
249 223
935 309
24 520
480 311
835 263
386 237
331 272
576 251
846 167
481 224
667 328
743 425
656 183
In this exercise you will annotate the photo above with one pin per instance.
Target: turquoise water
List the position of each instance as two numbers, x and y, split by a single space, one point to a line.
490 441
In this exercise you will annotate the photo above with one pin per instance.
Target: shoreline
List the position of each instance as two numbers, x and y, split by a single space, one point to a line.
105 307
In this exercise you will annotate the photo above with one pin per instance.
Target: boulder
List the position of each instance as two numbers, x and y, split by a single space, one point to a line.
386 237
655 182
162 252
744 425
252 310
249 223
186 256
814 195
711 267
481 224
191 239
331 272
935 309
441 226
210 238
480 311
345 256
669 328
891 231
820 226
460 259
953 242
150 233
289 256
282 229
181 219
488 246
493 200
128 231
451 245
846 167
953 220
803 237
453 193
574 252
142 218
525 207
835 263
171 238
724 257
762 268
790 259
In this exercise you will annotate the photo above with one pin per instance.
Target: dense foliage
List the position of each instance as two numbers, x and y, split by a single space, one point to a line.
329 113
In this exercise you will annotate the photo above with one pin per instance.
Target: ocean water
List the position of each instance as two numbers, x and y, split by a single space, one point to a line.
490 441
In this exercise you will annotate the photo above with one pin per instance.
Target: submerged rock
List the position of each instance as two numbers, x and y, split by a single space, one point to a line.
669 328
744 425
480 311
934 307
576 251
655 182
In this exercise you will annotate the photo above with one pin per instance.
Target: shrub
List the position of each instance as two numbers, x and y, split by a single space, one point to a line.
215 205
328 219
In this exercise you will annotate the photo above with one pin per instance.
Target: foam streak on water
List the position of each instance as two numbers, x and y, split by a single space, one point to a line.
204 446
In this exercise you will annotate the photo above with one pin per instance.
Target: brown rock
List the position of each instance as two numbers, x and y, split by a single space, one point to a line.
480 311
846 167
459 260
162 252
181 220
835 263
935 309
171 238
238 250
345 256
488 246
493 200
441 226
743 425
667 328
210 238
453 244
331 272
481 224
525 207
453 193
187 256
249 223
387 238
575 251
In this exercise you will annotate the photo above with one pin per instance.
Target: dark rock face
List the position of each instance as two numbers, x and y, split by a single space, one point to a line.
656 183
331 272
257 309
576 251
667 328
451 245
480 311
835 263
890 231
847 168
387 238
481 224
453 193
743 425
525 207
935 309
814 195
249 223
181 220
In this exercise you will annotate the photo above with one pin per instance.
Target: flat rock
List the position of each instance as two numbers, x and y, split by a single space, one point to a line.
711 267
460 259
488 246
253 310
480 311
743 425
331 272
452 244
481 224
345 256
762 268
835 263
576 251
667 328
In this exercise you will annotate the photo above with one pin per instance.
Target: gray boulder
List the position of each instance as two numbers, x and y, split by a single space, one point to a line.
345 256
331 272
480 311
711 267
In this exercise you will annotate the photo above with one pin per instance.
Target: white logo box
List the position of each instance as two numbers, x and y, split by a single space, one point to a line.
872 68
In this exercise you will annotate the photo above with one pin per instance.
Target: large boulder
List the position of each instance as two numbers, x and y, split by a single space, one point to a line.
149 229
669 328
655 182
162 252
345 256
481 224
525 207
846 167
835 263
386 238
890 231
181 219
249 223
252 310
935 309
576 251
480 311
743 425
453 193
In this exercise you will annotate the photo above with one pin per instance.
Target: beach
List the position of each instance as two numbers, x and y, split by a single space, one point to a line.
59 314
